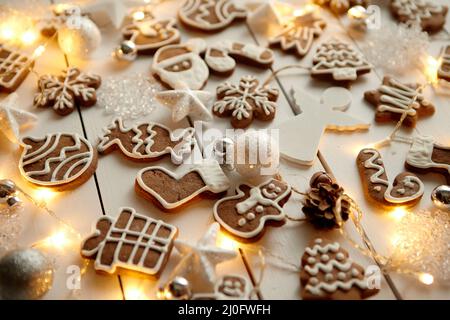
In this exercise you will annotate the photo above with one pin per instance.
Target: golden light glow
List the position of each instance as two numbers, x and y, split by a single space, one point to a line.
138 15
134 293
426 278
398 213
38 51
44 194
7 33
431 69
357 12
58 240
28 37
306 9
395 240
226 242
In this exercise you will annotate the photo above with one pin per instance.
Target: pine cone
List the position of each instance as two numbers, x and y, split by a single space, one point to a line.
320 202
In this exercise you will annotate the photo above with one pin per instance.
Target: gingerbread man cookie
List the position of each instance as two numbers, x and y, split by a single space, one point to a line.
146 141
328 273
64 93
130 241
427 156
246 214
151 34
407 189
171 190
394 98
180 66
210 15
298 35
61 160
221 57
427 14
338 61
14 68
245 102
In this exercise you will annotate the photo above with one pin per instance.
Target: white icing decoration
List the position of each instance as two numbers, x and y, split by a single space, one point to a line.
318 241
255 198
242 222
340 60
239 289
371 163
236 98
397 97
28 158
152 28
311 260
146 241
330 247
259 209
314 119
313 280
334 286
325 257
377 188
341 276
419 156
182 149
195 13
355 272
416 10
250 216
340 256
258 196
193 78
329 277
210 171
328 267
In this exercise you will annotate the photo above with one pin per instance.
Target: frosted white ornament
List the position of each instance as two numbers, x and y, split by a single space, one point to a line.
256 154
80 37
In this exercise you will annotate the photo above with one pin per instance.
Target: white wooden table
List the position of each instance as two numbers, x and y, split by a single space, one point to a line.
112 186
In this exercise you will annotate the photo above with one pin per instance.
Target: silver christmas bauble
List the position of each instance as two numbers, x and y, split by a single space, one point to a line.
441 197
179 289
7 189
24 275
79 36
126 51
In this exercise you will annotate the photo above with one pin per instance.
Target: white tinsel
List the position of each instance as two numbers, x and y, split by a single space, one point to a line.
422 244
396 48
10 227
129 97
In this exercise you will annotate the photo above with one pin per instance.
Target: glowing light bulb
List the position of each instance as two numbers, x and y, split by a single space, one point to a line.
7 33
138 15
134 293
28 37
38 51
398 213
226 242
431 69
426 278
44 195
59 240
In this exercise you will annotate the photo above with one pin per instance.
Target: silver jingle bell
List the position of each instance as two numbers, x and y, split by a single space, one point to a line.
179 289
25 274
441 197
126 51
7 189
13 202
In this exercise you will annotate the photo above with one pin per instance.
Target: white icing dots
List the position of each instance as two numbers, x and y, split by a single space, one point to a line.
271 186
318 241
259 209
314 281
242 222
340 256
311 260
325 257
377 188
355 272
185 64
250 216
329 277
341 276
176 68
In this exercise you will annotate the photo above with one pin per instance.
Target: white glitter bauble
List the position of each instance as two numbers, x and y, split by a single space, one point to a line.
79 37
25 274
256 154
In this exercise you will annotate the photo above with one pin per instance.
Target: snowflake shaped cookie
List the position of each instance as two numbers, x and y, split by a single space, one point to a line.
63 93
245 102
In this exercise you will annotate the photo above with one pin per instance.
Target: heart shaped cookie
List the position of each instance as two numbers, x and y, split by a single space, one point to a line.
169 190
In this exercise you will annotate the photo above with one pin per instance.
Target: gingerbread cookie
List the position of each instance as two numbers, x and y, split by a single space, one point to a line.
328 273
210 15
394 98
338 61
14 68
245 102
426 156
444 67
246 214
180 66
147 141
131 241
64 93
341 6
151 34
298 35
427 14
171 190
221 57
61 160
407 189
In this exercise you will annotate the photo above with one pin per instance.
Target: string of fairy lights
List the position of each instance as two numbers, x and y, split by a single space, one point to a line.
20 31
